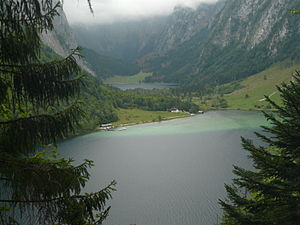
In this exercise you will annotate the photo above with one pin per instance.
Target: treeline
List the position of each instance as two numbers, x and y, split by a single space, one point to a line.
130 99
100 102
220 66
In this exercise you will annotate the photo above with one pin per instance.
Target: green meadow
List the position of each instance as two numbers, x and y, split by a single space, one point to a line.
127 79
255 87
136 116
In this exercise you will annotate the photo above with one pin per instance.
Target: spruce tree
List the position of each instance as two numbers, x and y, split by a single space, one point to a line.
38 106
270 193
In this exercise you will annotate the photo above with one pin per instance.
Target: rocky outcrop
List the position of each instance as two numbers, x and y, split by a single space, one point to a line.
184 23
243 38
62 40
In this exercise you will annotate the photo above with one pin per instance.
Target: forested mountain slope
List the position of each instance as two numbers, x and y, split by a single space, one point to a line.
99 101
244 38
106 66
207 46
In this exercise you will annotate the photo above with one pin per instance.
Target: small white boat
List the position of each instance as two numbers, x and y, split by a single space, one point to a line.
121 128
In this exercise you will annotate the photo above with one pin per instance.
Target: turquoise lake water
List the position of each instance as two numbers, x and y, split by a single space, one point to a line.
168 173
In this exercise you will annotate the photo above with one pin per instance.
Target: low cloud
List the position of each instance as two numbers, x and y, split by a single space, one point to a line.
108 11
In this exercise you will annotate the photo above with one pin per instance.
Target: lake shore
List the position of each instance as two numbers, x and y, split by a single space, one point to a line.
130 117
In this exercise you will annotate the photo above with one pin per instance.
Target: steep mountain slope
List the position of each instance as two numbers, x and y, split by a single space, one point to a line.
134 39
184 23
62 40
125 40
105 66
211 45
244 38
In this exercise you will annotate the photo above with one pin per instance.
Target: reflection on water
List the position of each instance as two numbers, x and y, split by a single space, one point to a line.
168 173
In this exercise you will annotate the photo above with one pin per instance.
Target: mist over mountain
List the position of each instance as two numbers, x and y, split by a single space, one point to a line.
124 40
202 47
62 39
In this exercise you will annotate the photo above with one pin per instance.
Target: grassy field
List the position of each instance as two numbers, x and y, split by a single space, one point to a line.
261 84
254 88
136 116
127 79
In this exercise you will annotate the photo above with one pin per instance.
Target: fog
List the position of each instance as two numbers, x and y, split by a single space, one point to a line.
109 11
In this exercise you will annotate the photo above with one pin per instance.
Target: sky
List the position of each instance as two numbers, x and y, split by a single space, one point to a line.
108 11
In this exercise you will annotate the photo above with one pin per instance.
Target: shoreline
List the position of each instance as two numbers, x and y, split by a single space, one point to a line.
98 128
144 122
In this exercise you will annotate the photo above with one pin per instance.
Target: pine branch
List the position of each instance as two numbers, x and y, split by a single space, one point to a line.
89 198
28 13
45 84
40 129
41 19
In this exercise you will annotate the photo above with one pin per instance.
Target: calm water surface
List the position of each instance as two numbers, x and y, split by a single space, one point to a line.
168 173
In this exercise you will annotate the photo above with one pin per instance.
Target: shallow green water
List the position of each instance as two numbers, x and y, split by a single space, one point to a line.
208 122
168 173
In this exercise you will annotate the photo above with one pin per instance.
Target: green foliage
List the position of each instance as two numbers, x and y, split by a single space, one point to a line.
130 99
270 194
136 116
257 87
229 88
294 12
39 104
134 79
105 66
209 59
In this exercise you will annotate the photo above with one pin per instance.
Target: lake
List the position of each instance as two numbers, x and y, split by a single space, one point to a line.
144 86
168 173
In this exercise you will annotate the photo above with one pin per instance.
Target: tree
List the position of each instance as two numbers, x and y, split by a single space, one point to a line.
38 106
271 193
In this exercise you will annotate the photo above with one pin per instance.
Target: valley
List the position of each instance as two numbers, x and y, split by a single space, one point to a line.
180 112
134 79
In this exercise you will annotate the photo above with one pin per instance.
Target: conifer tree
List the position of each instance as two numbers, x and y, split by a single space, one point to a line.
38 106
270 193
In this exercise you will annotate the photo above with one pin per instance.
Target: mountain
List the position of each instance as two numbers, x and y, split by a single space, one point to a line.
244 38
135 39
62 40
207 46
125 40
105 66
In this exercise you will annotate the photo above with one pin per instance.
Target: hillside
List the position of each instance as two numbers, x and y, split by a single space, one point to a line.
204 47
100 102
127 40
105 66
255 87
244 38
249 93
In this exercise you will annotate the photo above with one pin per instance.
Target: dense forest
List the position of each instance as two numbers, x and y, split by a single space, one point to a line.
105 66
100 101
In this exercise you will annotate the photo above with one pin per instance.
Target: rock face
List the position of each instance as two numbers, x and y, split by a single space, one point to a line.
243 38
210 45
251 22
184 23
125 40
135 39
62 40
